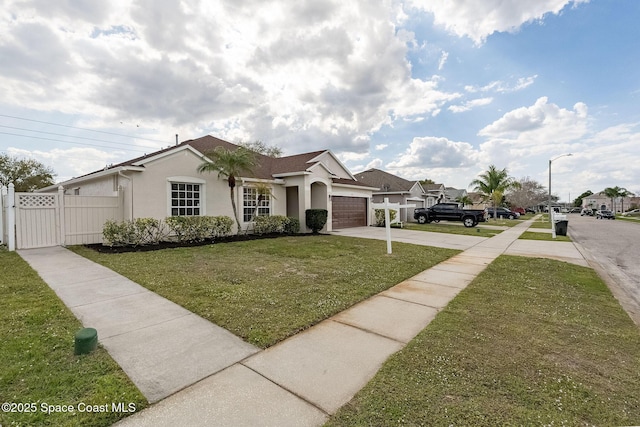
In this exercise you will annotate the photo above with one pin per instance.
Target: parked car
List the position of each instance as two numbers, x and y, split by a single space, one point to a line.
529 210
634 212
521 211
449 212
503 213
575 210
587 212
605 215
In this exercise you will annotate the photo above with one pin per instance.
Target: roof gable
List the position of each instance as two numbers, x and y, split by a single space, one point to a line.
385 181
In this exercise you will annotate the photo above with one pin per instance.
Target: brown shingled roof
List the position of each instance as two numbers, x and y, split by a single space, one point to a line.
269 167
385 181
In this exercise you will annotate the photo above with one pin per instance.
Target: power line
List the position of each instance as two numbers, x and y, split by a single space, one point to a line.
85 129
68 142
68 136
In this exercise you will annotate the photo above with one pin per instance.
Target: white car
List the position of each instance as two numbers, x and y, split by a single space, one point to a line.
635 212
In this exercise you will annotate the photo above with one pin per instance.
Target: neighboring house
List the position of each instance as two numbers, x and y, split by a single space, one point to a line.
435 193
453 194
596 201
398 190
166 183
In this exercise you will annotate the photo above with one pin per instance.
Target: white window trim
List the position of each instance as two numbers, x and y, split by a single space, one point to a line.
188 180
242 204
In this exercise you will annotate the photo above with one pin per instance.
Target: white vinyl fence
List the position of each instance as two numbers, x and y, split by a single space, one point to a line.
35 220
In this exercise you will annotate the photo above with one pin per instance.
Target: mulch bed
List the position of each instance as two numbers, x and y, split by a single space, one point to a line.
99 247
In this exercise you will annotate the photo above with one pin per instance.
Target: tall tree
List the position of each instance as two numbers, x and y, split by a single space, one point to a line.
427 181
612 193
262 148
528 193
622 193
492 184
230 164
578 200
26 174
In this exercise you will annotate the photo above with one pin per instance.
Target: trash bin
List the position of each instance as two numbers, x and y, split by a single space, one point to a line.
561 227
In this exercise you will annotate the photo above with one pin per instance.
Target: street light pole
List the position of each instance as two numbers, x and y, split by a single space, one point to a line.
553 229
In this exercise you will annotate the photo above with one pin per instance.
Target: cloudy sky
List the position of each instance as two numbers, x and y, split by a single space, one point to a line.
435 89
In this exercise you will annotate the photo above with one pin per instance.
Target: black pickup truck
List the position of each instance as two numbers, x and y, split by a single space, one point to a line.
449 212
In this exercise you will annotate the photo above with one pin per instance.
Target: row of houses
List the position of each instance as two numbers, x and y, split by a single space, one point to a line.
166 183
617 204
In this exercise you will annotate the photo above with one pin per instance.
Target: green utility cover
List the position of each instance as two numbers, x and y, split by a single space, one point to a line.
86 341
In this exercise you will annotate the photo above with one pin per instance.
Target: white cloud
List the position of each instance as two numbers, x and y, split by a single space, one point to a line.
470 105
256 70
479 19
374 164
443 60
381 147
433 152
503 87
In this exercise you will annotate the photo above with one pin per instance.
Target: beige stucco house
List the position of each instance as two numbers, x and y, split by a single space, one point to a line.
166 183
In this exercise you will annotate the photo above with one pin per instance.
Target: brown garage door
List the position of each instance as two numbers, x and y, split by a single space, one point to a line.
348 212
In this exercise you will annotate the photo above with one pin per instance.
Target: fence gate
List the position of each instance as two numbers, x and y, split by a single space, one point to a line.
51 219
37 220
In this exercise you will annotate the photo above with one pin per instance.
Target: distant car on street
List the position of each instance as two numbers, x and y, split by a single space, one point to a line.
587 212
603 214
575 210
503 213
634 212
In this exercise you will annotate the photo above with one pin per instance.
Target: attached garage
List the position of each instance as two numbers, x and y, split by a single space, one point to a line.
348 212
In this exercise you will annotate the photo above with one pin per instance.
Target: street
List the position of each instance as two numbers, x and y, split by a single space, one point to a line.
615 245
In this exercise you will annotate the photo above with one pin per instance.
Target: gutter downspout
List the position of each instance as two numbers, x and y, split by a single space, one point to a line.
130 192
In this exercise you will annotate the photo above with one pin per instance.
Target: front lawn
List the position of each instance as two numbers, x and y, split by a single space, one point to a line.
532 235
528 342
455 228
267 290
38 367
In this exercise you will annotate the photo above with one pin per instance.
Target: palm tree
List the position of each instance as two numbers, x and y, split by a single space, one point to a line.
264 192
612 193
230 164
622 193
492 184
464 200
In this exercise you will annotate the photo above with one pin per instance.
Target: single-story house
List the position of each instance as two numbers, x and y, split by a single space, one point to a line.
396 189
166 183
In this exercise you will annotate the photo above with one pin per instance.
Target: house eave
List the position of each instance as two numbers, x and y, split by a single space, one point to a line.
360 187
99 174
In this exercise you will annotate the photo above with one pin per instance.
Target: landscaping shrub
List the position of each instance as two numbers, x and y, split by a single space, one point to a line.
151 231
316 219
199 228
292 226
380 217
276 224
141 231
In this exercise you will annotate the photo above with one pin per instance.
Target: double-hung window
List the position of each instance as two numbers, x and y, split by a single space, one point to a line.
256 203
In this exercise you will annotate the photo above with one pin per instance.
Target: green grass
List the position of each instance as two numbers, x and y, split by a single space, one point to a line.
37 364
532 235
635 219
529 342
267 290
541 223
444 227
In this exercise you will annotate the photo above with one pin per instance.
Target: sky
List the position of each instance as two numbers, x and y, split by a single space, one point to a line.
424 89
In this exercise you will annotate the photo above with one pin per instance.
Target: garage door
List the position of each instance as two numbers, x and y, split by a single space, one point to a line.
348 212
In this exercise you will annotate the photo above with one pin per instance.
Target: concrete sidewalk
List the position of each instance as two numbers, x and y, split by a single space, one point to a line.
306 378
161 346
298 382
